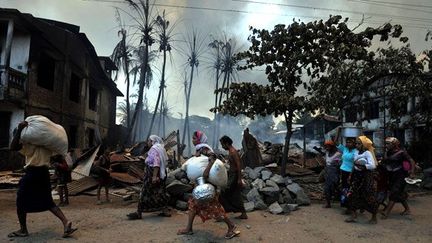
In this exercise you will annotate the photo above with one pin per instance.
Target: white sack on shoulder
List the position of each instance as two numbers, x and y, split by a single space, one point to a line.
195 167
43 132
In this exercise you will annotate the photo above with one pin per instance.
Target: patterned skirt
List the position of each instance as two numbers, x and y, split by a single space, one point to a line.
331 181
153 197
363 192
208 210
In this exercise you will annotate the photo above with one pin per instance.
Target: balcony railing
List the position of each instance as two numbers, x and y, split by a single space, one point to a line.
12 83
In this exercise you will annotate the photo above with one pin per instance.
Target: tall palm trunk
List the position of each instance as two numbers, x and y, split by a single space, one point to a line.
161 87
219 117
126 69
144 66
142 81
186 127
216 124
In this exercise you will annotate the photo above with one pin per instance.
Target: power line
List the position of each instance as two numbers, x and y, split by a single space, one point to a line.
390 6
417 26
338 10
399 4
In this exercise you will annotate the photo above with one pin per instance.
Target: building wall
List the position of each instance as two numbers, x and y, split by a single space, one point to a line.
56 104
20 51
17 115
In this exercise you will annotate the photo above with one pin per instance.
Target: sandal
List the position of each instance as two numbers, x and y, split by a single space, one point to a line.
18 233
69 230
134 216
185 232
232 233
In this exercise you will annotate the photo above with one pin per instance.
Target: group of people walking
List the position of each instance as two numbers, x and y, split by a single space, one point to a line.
352 167
364 182
153 196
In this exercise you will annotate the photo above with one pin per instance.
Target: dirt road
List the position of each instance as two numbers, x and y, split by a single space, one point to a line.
108 223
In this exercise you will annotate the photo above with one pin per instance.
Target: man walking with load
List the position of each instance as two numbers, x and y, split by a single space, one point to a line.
34 192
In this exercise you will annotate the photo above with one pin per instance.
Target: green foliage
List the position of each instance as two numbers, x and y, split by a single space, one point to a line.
291 52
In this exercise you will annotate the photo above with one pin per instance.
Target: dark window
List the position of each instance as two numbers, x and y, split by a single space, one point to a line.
351 114
74 88
90 136
93 95
46 70
398 109
4 129
372 110
73 132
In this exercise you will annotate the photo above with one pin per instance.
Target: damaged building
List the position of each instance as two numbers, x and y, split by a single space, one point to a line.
52 69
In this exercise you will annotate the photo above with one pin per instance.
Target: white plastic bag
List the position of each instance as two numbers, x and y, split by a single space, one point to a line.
43 132
218 174
195 167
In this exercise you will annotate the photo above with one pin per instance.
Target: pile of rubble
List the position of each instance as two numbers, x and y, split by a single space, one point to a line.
264 190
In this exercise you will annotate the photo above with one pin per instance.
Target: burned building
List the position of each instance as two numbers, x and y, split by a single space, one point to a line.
50 68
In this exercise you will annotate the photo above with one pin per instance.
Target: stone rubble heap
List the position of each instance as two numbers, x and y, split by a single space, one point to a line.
263 190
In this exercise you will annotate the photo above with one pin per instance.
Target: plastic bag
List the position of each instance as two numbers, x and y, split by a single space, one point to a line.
41 131
195 167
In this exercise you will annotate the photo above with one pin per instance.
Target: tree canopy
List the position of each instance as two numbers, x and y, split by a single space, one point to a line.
292 55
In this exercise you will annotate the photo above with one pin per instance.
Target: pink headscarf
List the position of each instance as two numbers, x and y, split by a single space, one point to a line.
202 138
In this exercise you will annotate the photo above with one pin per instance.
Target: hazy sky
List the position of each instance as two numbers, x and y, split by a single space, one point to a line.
212 17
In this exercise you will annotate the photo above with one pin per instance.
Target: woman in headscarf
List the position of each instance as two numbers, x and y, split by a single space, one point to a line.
332 158
362 194
153 196
199 140
212 209
393 163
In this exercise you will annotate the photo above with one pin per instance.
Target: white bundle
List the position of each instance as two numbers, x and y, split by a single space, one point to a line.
195 167
41 131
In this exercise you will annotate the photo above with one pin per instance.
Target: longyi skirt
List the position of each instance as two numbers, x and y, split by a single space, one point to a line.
34 191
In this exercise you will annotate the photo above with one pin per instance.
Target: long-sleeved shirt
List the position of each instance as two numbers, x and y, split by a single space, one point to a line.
367 158
153 158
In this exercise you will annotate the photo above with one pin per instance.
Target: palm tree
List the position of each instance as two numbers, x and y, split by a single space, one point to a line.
121 58
138 55
216 45
229 71
165 35
195 49
144 22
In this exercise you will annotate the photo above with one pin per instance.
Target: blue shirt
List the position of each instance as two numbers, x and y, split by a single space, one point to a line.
347 158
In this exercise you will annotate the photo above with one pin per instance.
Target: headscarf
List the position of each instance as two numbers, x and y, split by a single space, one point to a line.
368 145
329 143
393 141
202 138
158 145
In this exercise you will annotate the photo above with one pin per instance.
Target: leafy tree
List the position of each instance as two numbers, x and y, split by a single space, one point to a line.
287 52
